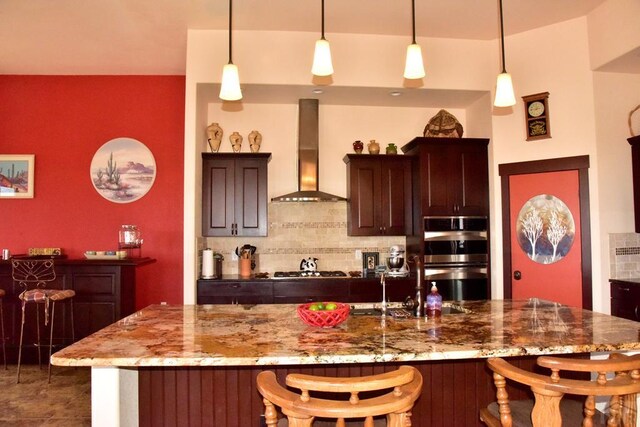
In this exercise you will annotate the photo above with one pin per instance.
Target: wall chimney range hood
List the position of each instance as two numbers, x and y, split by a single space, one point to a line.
308 142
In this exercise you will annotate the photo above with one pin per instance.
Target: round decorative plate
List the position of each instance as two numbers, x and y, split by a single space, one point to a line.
123 170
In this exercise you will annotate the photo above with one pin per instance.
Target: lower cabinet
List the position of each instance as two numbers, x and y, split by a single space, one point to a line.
303 290
105 293
625 300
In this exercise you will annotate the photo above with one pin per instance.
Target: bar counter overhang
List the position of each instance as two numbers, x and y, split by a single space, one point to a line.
129 357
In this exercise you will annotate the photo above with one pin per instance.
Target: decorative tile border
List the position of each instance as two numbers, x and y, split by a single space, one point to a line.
307 225
628 251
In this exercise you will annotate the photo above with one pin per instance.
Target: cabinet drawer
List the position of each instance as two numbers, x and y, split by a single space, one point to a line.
94 284
321 288
213 288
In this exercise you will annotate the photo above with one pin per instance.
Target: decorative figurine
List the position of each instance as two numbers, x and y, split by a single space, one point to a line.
443 124
236 142
373 147
358 146
214 133
255 139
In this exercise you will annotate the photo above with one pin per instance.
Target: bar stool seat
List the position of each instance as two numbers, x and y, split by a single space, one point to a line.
391 394
33 275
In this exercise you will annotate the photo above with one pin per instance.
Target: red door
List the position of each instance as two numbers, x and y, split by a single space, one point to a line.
545 229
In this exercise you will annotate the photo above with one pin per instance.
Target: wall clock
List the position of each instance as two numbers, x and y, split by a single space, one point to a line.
536 113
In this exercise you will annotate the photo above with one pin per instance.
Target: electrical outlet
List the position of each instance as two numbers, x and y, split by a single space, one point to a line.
359 254
234 256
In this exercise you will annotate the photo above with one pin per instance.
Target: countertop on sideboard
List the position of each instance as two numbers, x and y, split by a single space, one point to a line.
84 261
252 278
634 281
240 335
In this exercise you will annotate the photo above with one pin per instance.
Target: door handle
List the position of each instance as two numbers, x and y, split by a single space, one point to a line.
517 275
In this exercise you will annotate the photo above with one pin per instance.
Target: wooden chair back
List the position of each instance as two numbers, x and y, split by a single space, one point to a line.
403 386
617 377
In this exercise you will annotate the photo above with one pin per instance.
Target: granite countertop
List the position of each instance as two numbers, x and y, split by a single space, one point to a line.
236 335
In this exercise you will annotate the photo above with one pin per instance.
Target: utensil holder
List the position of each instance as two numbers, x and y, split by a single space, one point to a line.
244 265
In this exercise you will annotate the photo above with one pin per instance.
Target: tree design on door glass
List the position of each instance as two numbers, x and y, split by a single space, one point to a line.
545 229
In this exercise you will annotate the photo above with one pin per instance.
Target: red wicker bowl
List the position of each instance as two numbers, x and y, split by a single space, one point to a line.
323 318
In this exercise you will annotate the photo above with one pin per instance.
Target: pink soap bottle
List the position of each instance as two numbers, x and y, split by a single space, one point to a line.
434 302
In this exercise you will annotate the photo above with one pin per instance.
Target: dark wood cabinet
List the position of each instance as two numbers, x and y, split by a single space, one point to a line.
625 299
240 292
234 194
379 193
451 175
267 291
105 293
635 162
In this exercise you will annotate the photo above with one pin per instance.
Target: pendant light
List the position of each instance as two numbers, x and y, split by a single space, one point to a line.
413 67
322 65
230 86
504 86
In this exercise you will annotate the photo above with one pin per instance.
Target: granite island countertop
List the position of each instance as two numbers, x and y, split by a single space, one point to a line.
237 335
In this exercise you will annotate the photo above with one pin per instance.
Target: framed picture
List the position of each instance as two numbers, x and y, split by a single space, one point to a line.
123 170
16 176
369 262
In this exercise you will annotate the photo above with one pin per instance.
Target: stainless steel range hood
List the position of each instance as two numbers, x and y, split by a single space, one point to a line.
308 141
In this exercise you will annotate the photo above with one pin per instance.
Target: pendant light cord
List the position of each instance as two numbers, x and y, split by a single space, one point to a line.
322 38
504 65
413 21
230 12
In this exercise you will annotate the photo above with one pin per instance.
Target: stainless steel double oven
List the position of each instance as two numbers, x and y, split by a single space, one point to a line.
456 256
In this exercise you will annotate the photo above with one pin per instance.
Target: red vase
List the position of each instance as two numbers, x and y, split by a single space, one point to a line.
358 146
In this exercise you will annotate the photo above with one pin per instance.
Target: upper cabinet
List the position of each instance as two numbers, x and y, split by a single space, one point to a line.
234 194
379 193
635 163
452 175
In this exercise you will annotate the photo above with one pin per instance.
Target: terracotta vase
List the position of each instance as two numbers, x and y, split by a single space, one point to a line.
373 147
214 136
236 142
255 139
358 146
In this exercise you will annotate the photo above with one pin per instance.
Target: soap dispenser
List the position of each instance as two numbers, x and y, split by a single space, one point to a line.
434 302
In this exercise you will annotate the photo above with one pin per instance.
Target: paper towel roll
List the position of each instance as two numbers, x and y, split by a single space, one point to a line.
207 264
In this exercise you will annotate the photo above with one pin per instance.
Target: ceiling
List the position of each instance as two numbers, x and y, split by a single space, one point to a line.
149 36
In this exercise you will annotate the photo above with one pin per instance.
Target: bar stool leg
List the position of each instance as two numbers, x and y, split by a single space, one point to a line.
73 325
38 335
20 345
53 312
4 350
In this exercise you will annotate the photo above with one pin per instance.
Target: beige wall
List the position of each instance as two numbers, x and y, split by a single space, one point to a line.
556 59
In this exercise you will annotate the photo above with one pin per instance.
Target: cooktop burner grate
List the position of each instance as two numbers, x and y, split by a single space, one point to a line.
309 274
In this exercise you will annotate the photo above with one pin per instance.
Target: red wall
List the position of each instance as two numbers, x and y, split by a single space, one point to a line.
63 120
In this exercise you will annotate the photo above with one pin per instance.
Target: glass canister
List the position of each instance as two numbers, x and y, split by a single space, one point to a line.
129 237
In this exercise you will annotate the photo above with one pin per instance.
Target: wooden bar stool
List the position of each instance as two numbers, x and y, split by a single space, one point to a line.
4 350
33 276
404 386
617 377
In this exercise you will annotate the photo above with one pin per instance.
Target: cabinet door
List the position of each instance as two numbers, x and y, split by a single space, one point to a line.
364 197
625 301
471 180
216 292
434 182
251 197
309 290
395 202
218 196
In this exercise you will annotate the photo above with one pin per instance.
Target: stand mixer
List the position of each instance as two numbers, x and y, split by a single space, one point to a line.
396 262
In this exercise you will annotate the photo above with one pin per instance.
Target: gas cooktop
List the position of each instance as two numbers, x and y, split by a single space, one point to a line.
310 275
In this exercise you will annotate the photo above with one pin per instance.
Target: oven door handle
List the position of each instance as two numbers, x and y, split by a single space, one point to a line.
454 235
457 272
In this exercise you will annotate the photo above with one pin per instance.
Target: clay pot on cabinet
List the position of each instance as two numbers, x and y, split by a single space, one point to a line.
373 147
236 142
392 149
214 136
358 146
255 139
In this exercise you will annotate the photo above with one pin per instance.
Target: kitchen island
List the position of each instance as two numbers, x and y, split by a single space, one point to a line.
195 365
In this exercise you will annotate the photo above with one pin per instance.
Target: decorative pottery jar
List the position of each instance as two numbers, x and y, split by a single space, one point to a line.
236 142
255 139
392 149
373 147
214 136
358 146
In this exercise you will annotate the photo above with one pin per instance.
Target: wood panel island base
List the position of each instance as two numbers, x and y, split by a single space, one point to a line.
196 364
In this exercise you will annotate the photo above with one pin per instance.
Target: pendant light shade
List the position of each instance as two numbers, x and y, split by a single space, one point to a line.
413 66
322 64
505 96
230 86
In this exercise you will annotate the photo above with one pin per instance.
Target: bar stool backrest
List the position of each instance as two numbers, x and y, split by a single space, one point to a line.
33 273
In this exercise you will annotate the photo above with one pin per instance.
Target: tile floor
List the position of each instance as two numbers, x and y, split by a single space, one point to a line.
65 402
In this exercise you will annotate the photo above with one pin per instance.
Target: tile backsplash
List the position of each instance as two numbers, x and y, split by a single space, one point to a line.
299 230
624 255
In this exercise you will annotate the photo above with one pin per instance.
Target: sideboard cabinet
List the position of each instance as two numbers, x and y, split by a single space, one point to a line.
105 293
625 299
234 194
